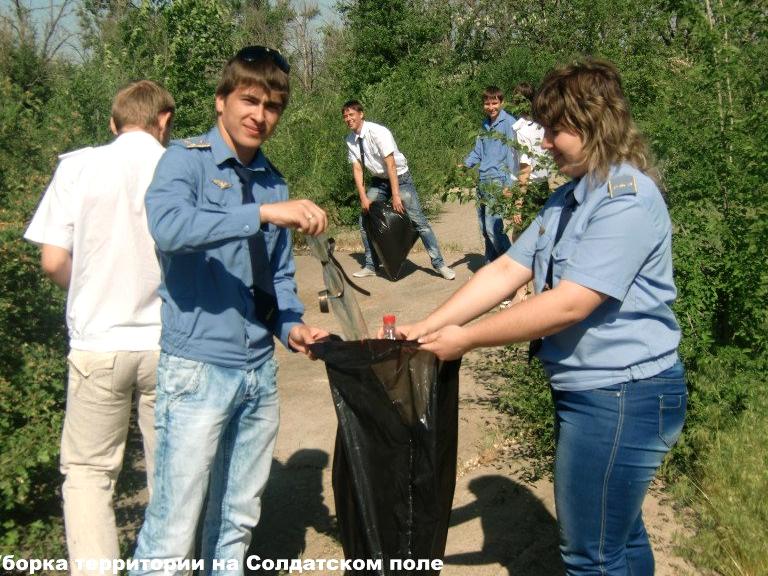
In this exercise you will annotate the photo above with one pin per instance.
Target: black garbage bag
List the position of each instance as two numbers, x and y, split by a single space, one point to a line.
394 465
391 236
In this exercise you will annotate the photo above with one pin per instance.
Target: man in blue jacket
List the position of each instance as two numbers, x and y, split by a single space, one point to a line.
498 169
220 215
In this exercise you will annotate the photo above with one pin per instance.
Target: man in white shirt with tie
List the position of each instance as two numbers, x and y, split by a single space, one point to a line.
372 146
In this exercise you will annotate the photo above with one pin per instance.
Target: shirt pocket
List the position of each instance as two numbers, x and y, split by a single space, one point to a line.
542 242
561 256
216 196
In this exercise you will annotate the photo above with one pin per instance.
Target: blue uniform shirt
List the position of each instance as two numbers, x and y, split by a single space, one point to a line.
619 244
498 161
201 228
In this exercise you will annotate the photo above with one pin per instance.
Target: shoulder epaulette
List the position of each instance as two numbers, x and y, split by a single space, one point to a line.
72 153
621 186
199 142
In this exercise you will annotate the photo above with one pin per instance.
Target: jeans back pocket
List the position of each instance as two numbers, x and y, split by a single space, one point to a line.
672 409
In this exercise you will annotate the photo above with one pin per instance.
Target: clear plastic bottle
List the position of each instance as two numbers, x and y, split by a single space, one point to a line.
389 327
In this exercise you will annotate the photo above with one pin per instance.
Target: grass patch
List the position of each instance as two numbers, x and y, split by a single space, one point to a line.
728 484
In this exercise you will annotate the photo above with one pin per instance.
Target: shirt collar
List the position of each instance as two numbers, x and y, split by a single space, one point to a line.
223 153
580 188
503 115
363 131
135 135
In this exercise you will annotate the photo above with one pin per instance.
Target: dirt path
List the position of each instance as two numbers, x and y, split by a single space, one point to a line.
500 525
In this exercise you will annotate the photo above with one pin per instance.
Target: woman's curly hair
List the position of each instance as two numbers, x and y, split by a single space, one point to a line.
586 98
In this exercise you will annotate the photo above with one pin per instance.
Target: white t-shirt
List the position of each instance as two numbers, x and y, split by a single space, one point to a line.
529 136
378 143
94 208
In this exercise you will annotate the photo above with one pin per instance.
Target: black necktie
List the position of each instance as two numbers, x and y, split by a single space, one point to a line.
263 289
569 207
362 154
565 216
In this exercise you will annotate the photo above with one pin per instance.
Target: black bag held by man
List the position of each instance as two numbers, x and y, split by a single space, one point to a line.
391 236
394 465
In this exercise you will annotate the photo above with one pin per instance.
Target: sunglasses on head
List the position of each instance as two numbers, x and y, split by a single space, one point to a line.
256 53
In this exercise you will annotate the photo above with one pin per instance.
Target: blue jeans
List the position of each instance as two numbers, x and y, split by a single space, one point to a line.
382 191
491 226
216 430
610 443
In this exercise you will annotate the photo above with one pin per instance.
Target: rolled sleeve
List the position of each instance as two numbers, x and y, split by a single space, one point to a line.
353 155
523 250
618 239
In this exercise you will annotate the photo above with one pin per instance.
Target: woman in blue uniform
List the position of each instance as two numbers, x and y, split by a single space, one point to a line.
599 254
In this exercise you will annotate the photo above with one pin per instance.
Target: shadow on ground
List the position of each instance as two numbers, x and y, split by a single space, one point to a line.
473 261
292 502
518 532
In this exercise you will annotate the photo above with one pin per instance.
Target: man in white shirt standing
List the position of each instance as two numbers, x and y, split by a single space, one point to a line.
92 228
536 164
372 146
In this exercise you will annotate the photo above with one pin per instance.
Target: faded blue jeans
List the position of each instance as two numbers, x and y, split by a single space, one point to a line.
382 191
491 225
610 443
216 430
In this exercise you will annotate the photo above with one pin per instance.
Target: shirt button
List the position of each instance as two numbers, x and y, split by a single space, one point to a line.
246 228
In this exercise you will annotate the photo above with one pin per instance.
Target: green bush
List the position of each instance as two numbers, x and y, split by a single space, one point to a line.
523 392
721 388
32 376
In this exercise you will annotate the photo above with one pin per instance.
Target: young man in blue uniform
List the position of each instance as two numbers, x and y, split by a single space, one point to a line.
498 164
220 215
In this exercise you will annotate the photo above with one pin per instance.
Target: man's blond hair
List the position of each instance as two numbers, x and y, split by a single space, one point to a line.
139 104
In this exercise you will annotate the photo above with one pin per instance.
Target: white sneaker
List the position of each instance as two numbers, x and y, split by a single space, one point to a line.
364 273
446 273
